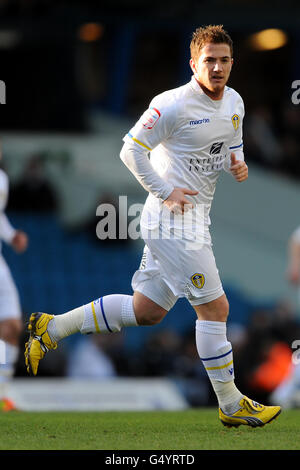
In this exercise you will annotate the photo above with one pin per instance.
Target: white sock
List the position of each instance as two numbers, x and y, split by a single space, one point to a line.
105 315
228 395
216 355
66 324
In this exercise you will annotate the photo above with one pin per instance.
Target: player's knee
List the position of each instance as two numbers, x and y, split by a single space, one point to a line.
147 312
149 317
224 312
216 310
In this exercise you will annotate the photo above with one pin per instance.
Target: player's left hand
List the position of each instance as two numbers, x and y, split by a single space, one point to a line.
239 168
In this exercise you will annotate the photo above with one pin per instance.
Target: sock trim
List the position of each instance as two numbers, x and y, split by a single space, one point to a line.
103 314
215 357
211 327
95 317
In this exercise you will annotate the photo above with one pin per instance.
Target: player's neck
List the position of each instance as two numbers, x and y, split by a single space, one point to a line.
214 95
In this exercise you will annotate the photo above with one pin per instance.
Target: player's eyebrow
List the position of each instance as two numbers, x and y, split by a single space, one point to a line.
224 57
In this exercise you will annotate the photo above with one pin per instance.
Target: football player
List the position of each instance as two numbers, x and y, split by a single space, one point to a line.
192 133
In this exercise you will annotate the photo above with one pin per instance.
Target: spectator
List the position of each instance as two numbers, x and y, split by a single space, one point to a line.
263 145
33 192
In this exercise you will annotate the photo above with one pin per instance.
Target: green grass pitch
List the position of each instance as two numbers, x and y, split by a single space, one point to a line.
194 429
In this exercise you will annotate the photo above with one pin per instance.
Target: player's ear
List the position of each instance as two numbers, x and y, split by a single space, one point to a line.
192 65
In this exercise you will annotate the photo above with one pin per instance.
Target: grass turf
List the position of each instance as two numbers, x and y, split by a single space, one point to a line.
196 429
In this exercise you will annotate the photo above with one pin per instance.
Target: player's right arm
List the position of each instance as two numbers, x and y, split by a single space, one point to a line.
155 126
137 161
177 201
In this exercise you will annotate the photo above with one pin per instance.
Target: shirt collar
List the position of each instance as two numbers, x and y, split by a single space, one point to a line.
195 85
197 88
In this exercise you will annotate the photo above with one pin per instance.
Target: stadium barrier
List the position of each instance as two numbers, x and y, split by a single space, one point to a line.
120 394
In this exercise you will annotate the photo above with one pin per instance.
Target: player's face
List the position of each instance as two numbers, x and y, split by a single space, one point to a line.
212 68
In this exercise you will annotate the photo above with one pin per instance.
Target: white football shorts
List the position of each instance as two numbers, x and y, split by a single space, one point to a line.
168 271
9 298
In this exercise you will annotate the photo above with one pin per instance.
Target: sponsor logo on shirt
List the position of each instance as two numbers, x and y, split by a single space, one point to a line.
216 148
199 121
213 163
150 118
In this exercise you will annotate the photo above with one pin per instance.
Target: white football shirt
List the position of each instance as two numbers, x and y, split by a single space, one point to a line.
190 138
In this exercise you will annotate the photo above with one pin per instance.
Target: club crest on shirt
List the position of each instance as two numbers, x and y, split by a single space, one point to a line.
235 121
198 280
150 118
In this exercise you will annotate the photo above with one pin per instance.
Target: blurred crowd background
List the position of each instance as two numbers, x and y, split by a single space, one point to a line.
78 75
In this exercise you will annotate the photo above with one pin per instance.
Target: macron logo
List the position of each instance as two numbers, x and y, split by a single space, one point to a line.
199 121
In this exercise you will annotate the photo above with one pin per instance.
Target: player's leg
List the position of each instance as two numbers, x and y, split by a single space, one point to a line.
216 354
147 306
108 314
203 289
215 351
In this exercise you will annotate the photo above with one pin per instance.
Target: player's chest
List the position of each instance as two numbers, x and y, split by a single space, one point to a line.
200 125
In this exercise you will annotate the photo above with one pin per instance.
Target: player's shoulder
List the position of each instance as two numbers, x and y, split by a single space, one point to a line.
233 94
170 98
235 100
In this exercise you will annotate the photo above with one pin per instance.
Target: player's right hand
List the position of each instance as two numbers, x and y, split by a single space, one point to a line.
177 202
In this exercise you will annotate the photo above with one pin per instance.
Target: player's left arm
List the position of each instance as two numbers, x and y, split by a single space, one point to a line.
235 161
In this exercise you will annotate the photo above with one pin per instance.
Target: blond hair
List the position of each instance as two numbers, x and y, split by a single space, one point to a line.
209 34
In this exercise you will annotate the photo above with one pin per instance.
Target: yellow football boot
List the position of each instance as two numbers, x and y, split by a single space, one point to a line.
39 342
250 413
